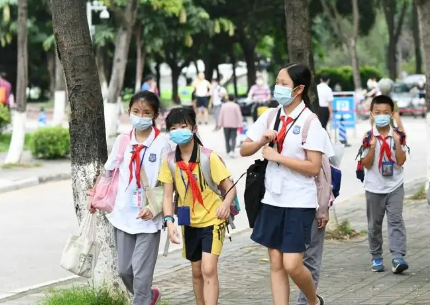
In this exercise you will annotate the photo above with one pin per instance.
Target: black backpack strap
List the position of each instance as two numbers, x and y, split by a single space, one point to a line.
276 126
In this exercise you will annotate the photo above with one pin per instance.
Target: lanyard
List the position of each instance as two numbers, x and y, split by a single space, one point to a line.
185 184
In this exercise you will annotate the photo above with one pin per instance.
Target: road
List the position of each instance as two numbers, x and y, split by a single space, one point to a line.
35 222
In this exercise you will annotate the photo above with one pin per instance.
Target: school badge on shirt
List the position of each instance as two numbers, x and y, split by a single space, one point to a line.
296 129
152 158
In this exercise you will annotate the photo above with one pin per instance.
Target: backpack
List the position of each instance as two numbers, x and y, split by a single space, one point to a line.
359 172
205 167
103 194
3 96
329 179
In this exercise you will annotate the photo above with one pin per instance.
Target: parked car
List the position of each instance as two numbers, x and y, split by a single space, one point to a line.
402 95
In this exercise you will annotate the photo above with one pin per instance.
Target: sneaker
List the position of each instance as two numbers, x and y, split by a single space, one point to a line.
399 265
377 265
321 300
156 295
231 154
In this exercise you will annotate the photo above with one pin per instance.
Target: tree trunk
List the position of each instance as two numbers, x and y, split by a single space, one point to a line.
423 7
355 65
50 58
417 40
392 59
233 66
140 58
19 117
300 41
122 46
60 94
101 67
87 131
249 55
176 72
197 67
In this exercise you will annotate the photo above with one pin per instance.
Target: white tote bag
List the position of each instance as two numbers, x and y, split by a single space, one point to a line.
81 251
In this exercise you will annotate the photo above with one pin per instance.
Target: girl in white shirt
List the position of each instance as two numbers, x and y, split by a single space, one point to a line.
136 229
288 208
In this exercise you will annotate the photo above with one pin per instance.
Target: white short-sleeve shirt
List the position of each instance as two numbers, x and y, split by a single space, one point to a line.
374 182
325 94
123 216
297 190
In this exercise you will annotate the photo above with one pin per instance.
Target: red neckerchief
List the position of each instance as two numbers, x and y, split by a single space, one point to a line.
385 149
195 190
135 158
283 132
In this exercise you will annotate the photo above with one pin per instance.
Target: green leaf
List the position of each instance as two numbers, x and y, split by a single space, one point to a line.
49 43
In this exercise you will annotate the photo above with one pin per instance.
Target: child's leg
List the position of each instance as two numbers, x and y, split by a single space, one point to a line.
125 244
375 205
210 277
198 282
233 135
227 139
279 278
143 262
313 257
395 223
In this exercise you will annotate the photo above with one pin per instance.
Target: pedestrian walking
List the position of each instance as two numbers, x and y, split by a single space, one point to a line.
288 209
383 158
325 99
202 92
201 211
230 120
136 228
218 97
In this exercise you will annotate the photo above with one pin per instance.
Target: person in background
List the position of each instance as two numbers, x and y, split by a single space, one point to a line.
230 119
148 83
154 88
260 94
218 96
202 91
186 93
5 90
325 99
384 161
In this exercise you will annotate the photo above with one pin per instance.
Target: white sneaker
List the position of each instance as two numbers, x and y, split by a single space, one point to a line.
231 154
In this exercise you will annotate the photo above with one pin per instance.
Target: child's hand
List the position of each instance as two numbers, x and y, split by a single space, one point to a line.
173 233
145 214
270 154
269 136
223 211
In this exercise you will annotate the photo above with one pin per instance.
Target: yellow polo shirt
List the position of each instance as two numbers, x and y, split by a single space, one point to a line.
202 216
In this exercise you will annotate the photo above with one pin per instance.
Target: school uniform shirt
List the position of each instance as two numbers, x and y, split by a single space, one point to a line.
123 216
325 94
285 187
374 182
203 216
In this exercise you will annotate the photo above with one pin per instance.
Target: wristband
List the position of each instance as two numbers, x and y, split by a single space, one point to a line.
167 218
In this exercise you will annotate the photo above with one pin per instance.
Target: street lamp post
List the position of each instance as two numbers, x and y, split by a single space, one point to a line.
95 6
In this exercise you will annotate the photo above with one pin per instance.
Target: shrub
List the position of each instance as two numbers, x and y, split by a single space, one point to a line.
5 117
344 77
85 295
50 143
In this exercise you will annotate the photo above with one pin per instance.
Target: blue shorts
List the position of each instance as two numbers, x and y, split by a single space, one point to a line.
287 230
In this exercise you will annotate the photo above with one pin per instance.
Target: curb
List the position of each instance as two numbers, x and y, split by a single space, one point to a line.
33 181
16 294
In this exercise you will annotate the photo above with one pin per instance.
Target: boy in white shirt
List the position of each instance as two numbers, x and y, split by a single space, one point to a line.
383 160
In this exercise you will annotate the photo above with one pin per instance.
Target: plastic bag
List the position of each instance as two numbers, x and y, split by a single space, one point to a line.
338 154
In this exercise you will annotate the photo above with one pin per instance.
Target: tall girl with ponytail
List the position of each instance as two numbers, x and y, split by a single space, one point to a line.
288 208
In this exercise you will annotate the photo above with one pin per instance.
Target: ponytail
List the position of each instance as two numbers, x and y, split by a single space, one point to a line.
197 139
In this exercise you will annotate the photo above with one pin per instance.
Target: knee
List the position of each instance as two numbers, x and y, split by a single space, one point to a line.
197 273
209 270
276 266
292 268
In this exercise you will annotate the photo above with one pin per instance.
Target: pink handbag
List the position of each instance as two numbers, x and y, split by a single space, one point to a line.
103 194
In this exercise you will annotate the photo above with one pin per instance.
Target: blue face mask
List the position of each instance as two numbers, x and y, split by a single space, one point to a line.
283 95
141 123
181 136
382 120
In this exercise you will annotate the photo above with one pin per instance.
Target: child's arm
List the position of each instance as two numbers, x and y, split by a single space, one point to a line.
224 210
400 153
367 161
168 199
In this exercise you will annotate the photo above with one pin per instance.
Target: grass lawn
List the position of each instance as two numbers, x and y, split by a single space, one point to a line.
5 141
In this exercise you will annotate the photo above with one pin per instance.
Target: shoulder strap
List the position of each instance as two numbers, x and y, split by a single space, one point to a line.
401 134
205 165
307 125
171 163
124 140
367 139
277 122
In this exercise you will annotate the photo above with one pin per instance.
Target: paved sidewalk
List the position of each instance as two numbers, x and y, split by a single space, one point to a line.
346 277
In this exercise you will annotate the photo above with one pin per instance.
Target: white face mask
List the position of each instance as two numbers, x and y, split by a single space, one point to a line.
260 82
